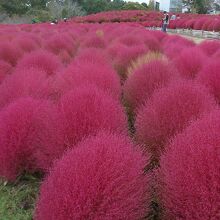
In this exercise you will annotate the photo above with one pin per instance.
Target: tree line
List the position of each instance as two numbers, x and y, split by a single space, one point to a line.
46 10
65 8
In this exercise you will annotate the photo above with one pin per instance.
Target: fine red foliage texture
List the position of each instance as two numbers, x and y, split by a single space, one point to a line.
141 84
169 111
210 77
30 137
101 178
190 172
87 110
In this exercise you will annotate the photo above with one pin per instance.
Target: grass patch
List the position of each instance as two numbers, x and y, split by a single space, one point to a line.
17 200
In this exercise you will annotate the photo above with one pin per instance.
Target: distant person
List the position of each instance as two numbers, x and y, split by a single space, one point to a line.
173 17
178 17
65 19
55 21
165 21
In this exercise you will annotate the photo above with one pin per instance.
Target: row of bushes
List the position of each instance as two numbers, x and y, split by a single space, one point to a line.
154 19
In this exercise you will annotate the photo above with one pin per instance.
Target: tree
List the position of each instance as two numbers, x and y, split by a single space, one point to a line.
151 5
66 8
115 5
94 6
198 6
144 4
133 6
11 7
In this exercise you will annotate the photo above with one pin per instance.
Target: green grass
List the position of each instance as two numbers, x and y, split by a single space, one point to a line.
17 200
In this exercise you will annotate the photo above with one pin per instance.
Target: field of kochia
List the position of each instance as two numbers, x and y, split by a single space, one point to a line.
117 122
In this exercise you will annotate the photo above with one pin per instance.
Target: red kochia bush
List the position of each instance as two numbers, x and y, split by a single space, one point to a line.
190 172
210 77
10 53
42 60
103 76
142 83
210 47
172 45
94 41
60 43
93 55
190 62
123 55
23 83
87 110
100 179
26 43
169 111
5 69
30 138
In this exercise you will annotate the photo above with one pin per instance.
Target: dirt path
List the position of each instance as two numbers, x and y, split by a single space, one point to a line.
195 39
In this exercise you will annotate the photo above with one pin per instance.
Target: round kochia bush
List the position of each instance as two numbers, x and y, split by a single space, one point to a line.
86 110
210 77
103 76
210 47
42 60
190 172
23 83
10 53
190 62
5 69
141 84
102 179
30 137
169 111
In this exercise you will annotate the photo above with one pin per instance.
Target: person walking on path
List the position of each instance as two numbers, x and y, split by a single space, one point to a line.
165 22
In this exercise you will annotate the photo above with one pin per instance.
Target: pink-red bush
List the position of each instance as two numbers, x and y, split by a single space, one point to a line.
210 47
130 40
103 76
123 56
23 83
5 69
42 60
61 42
26 43
100 179
172 45
94 55
190 172
94 41
142 83
150 39
86 110
169 111
210 77
190 62
10 53
30 137
175 39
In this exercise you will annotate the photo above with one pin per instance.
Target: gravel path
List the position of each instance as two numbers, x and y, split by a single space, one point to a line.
195 39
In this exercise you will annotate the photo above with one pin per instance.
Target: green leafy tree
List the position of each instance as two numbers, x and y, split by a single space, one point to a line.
198 6
94 6
151 5
133 6
115 5
11 7
144 4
